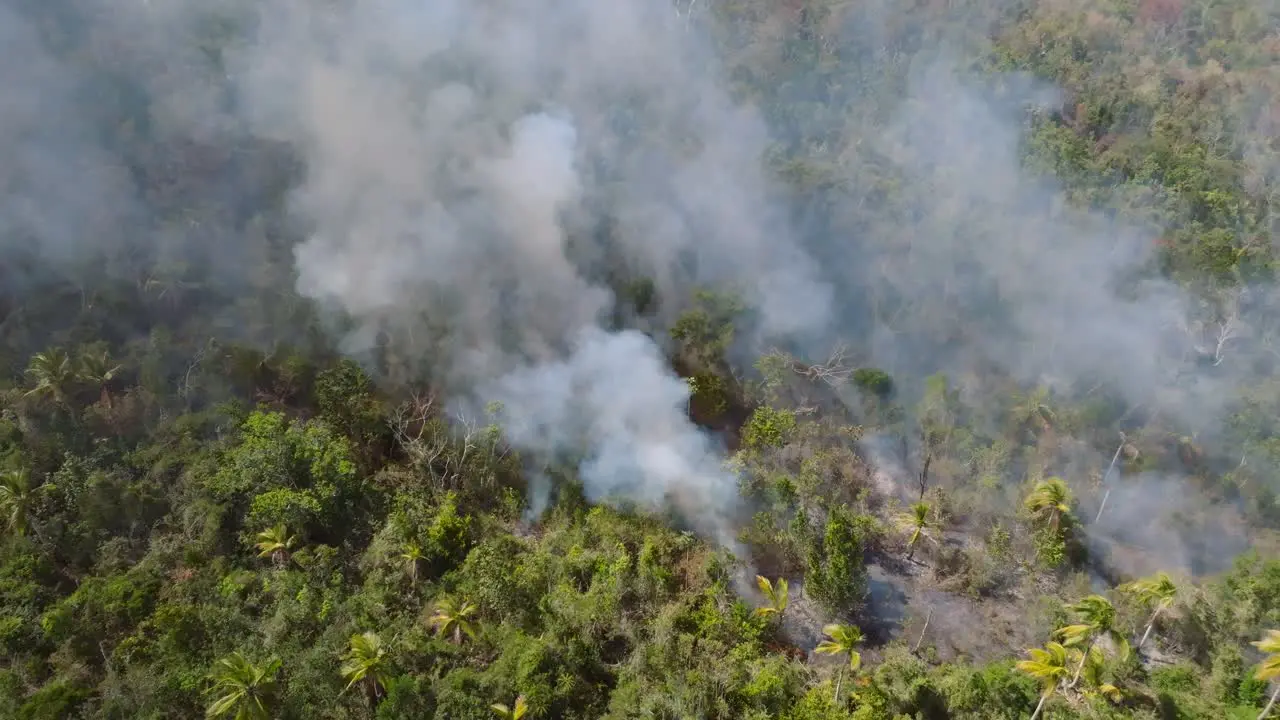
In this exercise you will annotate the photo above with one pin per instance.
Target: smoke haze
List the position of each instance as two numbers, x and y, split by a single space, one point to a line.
472 171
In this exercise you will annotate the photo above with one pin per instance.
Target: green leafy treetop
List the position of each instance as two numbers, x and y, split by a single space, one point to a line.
1097 619
511 713
1269 669
244 691
1050 501
1049 667
453 619
776 593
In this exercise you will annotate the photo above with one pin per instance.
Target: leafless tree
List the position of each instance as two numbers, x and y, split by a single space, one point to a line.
445 447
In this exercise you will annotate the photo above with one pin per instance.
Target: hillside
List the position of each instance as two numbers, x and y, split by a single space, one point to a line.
730 359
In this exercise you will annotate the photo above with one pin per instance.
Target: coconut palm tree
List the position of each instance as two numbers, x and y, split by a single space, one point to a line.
1157 592
51 373
412 555
1092 676
244 691
97 369
775 593
919 523
511 713
1050 501
1269 669
1049 666
841 639
452 618
17 499
275 543
1097 619
366 662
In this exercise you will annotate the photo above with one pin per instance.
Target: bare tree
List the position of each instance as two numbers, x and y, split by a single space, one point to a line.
445 447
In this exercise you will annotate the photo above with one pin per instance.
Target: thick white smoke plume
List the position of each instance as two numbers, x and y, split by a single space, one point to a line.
460 156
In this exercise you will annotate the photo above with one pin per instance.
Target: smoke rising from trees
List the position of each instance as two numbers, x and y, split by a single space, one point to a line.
472 174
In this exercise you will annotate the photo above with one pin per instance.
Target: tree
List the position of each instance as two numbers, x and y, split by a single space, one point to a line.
453 618
1050 501
841 639
918 522
1269 669
52 373
1097 618
412 555
245 691
275 542
1157 592
775 593
16 500
97 369
1093 666
1049 666
511 713
366 662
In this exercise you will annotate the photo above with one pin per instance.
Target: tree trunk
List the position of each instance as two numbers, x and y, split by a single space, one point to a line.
1039 706
920 639
1270 703
1150 625
1075 679
839 679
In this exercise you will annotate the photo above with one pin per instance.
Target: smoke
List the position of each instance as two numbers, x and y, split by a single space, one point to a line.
475 174
461 160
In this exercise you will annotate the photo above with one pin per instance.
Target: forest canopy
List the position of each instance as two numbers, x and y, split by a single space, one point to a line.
734 359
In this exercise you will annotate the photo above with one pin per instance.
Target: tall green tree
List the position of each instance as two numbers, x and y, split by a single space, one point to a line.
453 619
1049 502
841 639
52 374
1269 669
243 691
1049 667
412 555
17 499
918 521
515 712
366 662
1157 592
1096 619
775 593
275 543
97 369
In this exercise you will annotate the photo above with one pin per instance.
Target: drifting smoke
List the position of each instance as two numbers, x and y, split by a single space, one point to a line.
460 157
474 170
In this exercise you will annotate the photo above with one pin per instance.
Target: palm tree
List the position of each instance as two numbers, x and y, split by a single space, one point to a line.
1158 592
17 499
275 543
453 618
366 662
1097 618
1049 666
919 523
1050 501
97 369
411 555
245 691
775 593
1093 665
511 713
1269 668
52 373
843 639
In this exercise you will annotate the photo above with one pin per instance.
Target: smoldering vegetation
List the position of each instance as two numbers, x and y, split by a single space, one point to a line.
468 192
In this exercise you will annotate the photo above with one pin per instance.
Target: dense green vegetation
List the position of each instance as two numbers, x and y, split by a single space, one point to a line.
209 508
